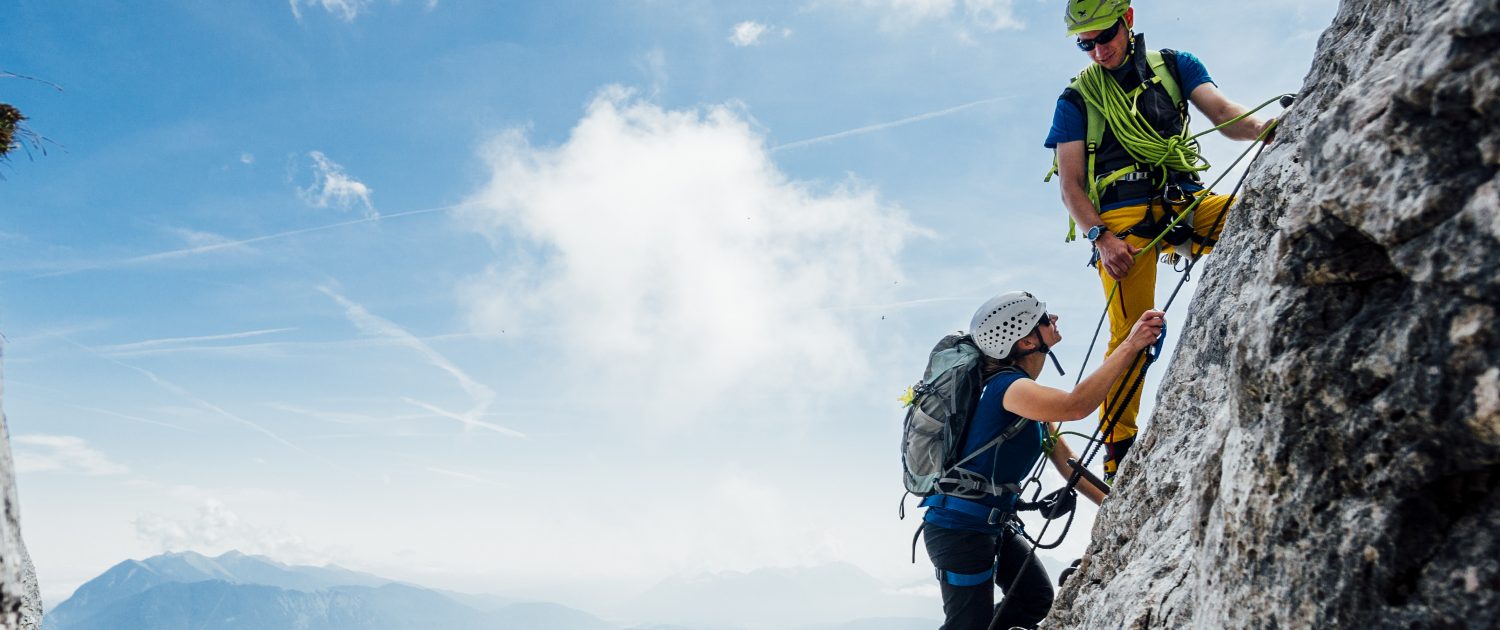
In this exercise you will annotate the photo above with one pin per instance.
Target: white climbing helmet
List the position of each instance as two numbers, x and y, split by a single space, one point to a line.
1004 320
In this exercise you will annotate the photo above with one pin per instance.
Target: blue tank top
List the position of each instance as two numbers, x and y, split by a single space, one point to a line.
1007 463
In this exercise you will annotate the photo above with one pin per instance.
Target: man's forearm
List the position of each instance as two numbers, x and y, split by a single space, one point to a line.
1079 206
1247 128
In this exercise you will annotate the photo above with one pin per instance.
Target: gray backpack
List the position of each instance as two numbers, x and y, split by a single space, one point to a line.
937 419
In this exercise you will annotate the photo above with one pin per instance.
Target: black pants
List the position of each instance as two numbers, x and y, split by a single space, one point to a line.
973 607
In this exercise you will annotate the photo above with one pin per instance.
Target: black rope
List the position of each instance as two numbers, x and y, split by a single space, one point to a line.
1093 340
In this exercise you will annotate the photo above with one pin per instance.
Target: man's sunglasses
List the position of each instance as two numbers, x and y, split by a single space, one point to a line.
1104 37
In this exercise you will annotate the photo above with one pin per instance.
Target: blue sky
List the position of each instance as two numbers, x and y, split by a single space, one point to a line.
478 293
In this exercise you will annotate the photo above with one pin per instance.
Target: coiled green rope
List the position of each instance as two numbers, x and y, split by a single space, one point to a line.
1179 152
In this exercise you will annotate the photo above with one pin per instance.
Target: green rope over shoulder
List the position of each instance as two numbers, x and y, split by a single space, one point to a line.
1179 152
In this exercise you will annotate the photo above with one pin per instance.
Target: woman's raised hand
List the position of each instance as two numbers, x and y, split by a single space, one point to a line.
1146 330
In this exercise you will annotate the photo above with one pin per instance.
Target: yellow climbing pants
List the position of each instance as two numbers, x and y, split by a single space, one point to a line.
1137 294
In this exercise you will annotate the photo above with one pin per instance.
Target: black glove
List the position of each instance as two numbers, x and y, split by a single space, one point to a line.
1058 503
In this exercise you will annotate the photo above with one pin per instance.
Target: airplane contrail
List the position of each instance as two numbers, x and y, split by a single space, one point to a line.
481 395
203 249
152 343
887 125
184 393
469 420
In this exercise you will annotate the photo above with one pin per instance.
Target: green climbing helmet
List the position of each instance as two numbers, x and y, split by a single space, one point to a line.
1093 15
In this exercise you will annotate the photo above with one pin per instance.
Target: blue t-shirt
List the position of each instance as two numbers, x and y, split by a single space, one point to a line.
1008 463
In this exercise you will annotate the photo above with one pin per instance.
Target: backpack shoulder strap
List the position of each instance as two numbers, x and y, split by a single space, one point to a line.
1094 132
1164 75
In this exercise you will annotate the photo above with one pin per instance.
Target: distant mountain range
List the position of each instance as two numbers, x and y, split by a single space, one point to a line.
189 591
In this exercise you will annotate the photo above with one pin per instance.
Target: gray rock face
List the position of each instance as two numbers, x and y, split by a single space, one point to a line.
1327 440
20 601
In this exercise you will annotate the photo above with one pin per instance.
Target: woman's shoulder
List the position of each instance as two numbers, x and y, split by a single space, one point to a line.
997 384
1006 376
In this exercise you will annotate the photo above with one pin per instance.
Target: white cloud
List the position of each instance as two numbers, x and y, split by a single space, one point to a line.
653 65
345 10
61 454
198 240
332 186
216 529
677 263
747 33
992 15
247 158
769 529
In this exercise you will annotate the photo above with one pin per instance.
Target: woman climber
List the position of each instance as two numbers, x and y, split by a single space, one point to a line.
973 543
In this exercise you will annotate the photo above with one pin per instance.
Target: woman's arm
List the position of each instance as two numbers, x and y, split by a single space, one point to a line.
1060 455
1045 404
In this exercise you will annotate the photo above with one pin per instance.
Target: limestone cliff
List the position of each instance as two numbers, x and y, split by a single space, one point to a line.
1327 438
20 603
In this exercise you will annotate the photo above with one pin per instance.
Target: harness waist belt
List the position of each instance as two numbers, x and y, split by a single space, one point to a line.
990 515
1135 176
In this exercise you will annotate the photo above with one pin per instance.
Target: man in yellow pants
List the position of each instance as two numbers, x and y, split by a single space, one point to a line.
1127 168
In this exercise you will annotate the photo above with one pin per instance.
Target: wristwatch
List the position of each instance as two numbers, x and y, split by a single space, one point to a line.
1095 232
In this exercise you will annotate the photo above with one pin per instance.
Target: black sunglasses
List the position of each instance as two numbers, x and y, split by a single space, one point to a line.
1104 37
1046 320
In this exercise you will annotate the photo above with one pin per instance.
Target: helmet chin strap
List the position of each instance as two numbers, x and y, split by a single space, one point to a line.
1045 348
1042 347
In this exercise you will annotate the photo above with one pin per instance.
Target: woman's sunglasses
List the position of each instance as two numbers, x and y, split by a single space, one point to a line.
1104 37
